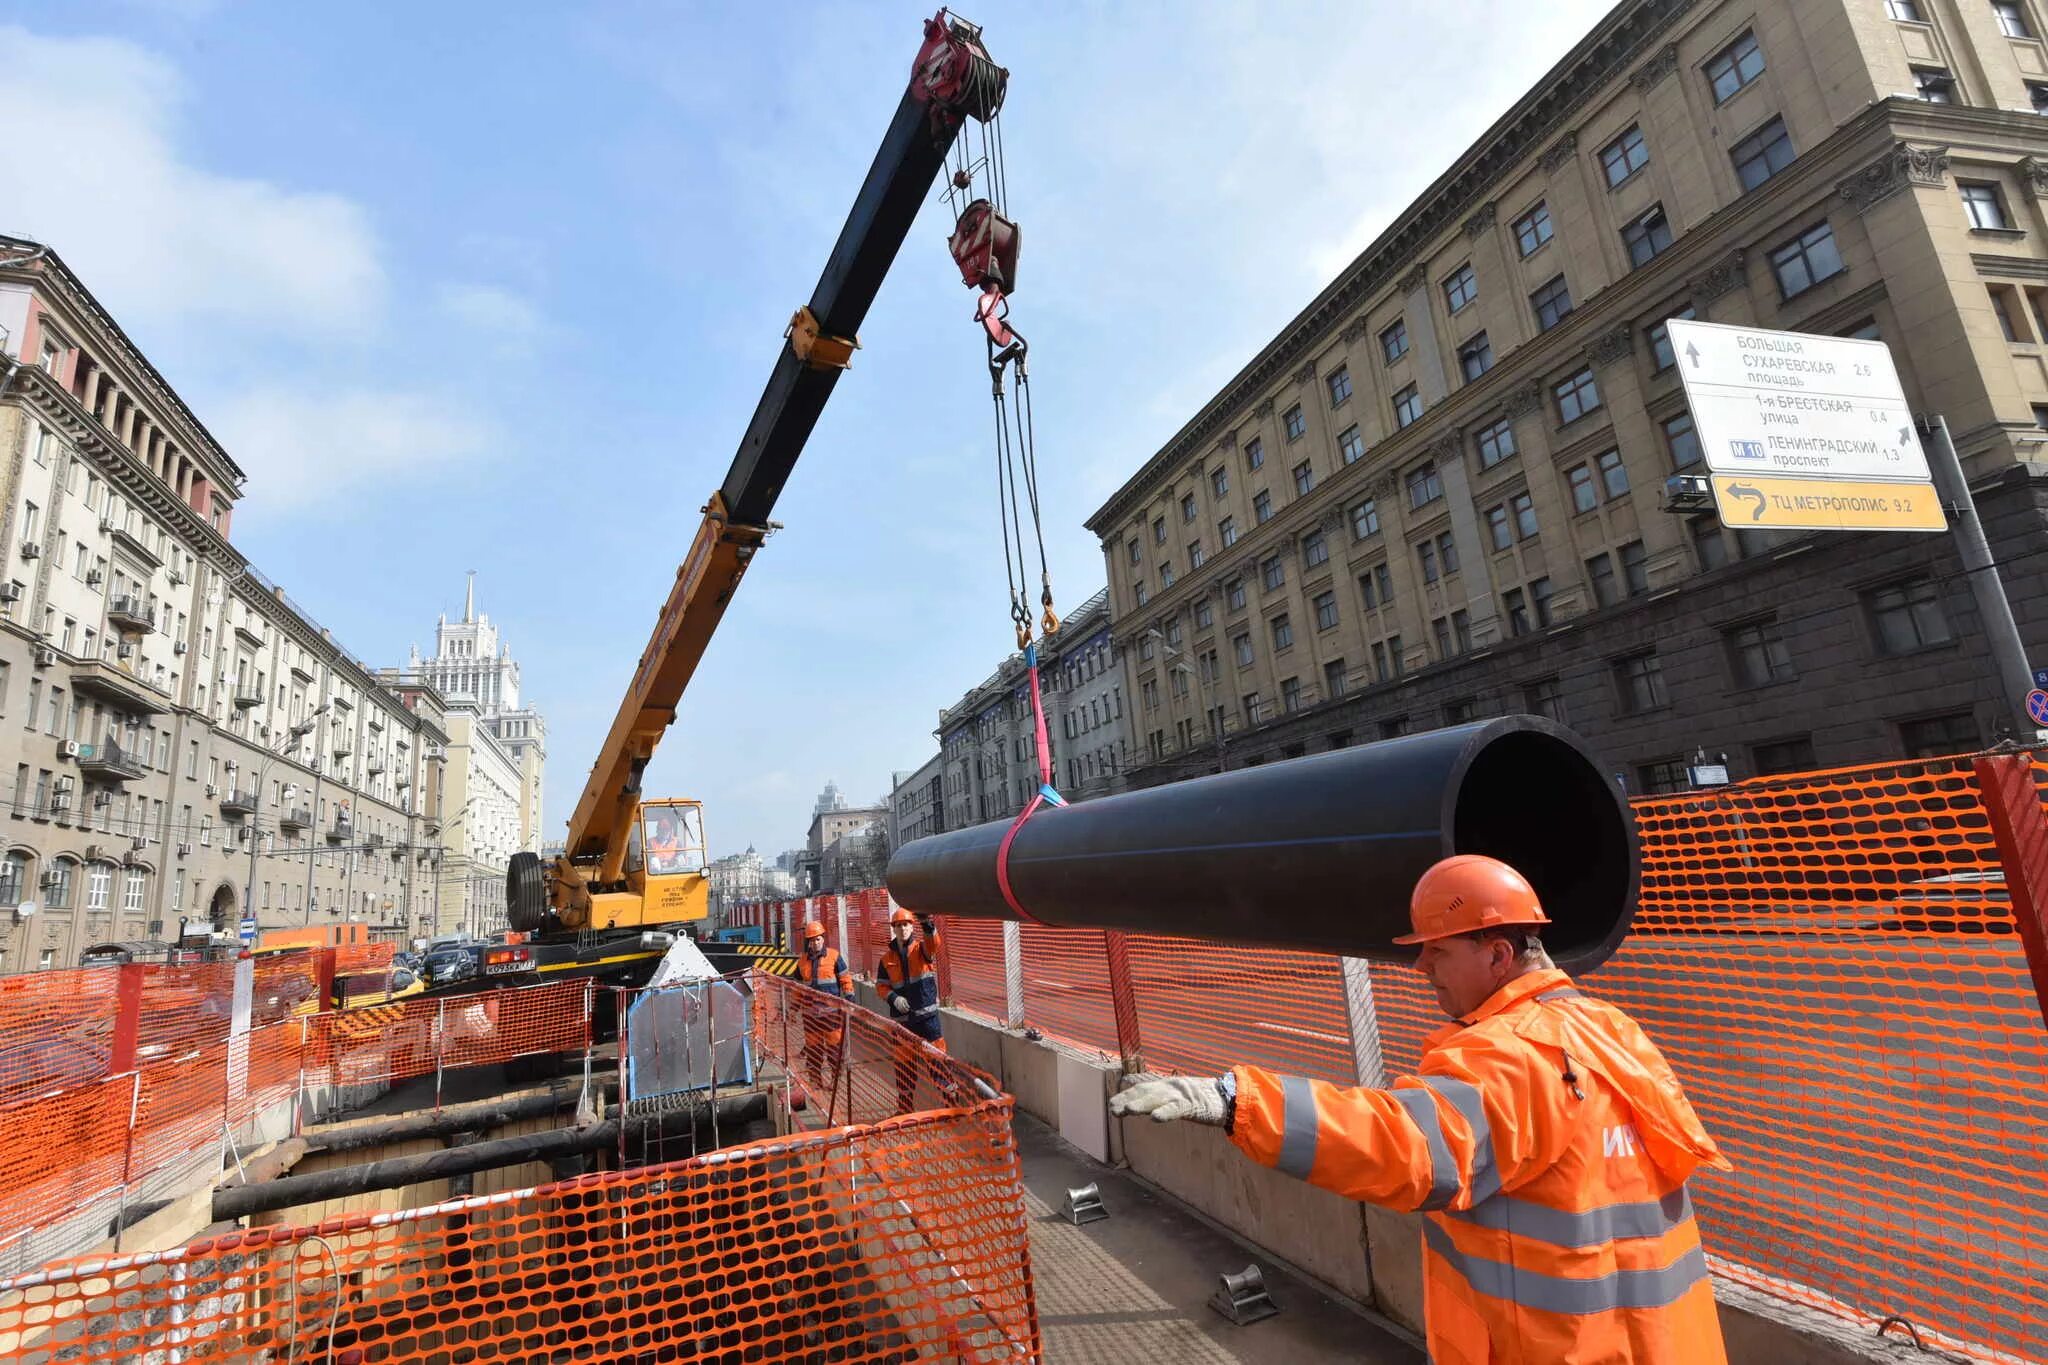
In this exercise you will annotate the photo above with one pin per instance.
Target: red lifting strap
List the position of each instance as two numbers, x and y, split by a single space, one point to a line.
1044 796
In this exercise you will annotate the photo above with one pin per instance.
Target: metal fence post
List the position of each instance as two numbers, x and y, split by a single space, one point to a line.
440 1047
1123 1001
1361 1014
842 929
788 942
1013 973
127 1160
2013 801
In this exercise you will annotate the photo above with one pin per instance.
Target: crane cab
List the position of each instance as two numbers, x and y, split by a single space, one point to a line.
665 858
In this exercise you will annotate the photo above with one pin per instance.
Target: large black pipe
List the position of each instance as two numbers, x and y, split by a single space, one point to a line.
1317 853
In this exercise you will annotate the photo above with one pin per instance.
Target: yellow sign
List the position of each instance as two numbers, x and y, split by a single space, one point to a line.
1769 502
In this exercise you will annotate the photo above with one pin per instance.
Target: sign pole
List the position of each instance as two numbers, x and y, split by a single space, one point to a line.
2008 653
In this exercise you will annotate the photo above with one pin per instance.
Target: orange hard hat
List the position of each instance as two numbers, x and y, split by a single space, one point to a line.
1467 892
902 916
813 929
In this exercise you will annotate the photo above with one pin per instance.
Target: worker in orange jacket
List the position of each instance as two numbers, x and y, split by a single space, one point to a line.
908 978
824 971
1545 1137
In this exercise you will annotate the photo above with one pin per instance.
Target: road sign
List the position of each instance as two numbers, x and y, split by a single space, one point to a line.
1788 413
2041 677
249 930
1771 503
2037 706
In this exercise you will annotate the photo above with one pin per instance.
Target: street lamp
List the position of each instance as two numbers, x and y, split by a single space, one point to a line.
292 736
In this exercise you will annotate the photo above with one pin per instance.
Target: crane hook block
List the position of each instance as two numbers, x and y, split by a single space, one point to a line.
984 245
953 73
814 346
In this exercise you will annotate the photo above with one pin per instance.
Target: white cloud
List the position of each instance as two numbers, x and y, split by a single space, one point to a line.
92 128
504 319
317 451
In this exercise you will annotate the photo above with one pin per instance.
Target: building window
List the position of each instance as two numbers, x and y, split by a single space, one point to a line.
1635 568
1624 156
1226 529
99 880
1661 355
1393 727
1496 443
1407 406
1533 229
1984 205
1241 649
1576 396
1794 755
1639 678
1475 357
1254 453
1233 594
1735 66
1148 693
1394 340
1290 697
1552 303
2012 18
1196 559
1539 599
1159 530
1140 594
1219 481
1351 445
1524 509
1757 654
1544 697
1580 478
1613 474
1425 485
1262 507
1365 520
1314 549
1762 154
1437 557
1461 710
13 875
2037 95
1938 736
2001 307
1498 528
1165 577
1326 610
1461 288
1934 85
1294 422
1425 554
1273 573
1681 441
1647 236
1806 260
1663 777
1707 544
1376 586
57 884
1905 11
1205 614
1340 386
1441 627
1187 507
1333 687
1600 569
1516 605
1908 616
1304 479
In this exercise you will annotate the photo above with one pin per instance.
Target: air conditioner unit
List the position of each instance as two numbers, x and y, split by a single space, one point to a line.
93 578
212 790
92 853
67 748
49 881
102 798
125 652
10 592
178 648
64 785
106 523
45 657
31 550
185 849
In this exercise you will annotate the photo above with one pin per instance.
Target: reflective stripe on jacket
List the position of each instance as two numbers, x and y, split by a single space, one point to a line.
825 971
912 973
1549 1143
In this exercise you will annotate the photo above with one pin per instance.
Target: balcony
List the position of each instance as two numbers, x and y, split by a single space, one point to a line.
245 701
135 546
105 682
373 841
401 781
237 804
341 833
135 615
253 633
343 746
109 761
295 819
374 767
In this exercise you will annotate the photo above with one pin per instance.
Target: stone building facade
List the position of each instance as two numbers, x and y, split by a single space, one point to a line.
1441 492
186 742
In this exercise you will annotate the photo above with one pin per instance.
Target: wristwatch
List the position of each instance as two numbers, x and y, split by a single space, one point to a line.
1227 1083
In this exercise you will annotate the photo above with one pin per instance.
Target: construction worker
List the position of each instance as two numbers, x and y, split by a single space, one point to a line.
1545 1136
908 978
664 847
824 971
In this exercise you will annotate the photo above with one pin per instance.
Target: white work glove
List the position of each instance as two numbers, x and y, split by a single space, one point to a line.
899 1004
1168 1098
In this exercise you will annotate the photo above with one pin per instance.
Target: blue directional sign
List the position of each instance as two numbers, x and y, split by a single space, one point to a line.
2037 706
248 926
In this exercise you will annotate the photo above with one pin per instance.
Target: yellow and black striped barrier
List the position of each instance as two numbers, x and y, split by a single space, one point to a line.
765 956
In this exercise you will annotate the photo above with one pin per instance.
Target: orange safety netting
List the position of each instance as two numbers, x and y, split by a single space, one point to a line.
901 1236
56 1029
1204 1006
363 957
422 1034
973 962
1066 985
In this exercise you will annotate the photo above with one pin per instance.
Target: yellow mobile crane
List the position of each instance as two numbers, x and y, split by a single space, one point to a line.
632 866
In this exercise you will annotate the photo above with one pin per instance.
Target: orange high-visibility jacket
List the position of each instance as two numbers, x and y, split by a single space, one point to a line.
827 972
1550 1143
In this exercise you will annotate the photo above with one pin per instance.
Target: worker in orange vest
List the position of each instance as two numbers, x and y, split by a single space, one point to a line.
824 971
1545 1136
908 978
663 845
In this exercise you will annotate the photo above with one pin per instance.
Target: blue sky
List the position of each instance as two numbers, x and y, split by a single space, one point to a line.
496 287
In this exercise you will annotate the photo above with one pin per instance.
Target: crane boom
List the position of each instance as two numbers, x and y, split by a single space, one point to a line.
951 79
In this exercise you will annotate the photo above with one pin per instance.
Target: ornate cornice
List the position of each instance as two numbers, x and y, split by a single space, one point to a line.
1228 441
1618 344
1414 279
1353 330
1264 409
1904 164
1651 74
1603 56
1305 373
1447 448
1524 399
1477 225
1723 276
2034 172
1560 153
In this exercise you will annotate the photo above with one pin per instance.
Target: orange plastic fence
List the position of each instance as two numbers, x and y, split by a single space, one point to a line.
415 1036
56 1029
974 959
363 957
900 1237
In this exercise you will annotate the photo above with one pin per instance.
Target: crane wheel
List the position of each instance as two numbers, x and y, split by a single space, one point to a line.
526 894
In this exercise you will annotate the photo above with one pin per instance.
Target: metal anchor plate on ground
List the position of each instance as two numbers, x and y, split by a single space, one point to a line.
1084 1205
1243 1298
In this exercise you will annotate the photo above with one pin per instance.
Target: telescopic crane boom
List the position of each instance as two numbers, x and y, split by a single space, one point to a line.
604 879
